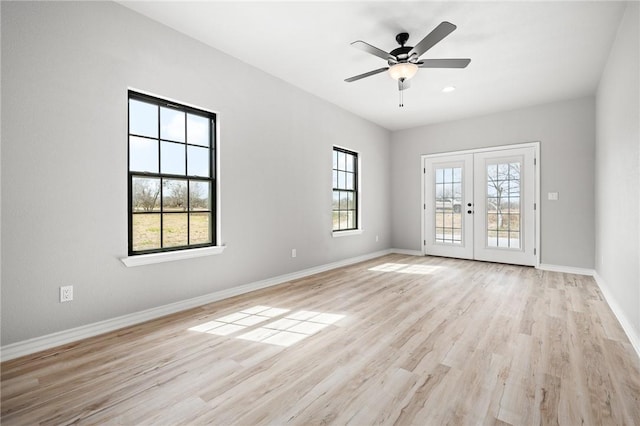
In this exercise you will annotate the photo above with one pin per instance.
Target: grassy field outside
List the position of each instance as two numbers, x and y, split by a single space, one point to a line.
175 232
344 219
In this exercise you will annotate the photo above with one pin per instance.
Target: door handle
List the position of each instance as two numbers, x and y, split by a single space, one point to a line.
468 204
469 211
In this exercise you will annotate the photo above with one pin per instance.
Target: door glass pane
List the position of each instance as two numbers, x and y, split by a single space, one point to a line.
448 205
457 235
457 175
492 238
503 205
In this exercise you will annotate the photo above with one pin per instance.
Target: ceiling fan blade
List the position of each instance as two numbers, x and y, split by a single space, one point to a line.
444 63
366 74
404 85
359 44
441 31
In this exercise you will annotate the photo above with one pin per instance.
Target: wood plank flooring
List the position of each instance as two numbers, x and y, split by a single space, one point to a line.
395 340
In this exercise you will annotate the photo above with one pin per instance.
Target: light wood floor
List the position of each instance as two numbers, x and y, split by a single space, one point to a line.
396 340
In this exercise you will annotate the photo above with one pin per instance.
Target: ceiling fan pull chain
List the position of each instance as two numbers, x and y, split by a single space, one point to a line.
400 94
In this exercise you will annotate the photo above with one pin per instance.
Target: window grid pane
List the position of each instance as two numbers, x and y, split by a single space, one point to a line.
345 190
171 176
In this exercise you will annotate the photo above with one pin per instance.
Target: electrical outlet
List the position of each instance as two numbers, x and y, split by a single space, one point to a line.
293 253
66 293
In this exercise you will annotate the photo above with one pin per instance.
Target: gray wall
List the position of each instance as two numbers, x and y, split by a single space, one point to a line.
566 132
618 170
66 67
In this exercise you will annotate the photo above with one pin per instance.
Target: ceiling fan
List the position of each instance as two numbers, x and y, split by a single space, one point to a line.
404 61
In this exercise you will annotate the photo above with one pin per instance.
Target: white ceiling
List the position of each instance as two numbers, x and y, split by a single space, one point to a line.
522 53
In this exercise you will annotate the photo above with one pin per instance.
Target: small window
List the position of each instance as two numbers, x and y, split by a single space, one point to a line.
345 190
172 188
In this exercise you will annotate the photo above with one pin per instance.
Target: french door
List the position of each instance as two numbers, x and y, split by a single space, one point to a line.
481 205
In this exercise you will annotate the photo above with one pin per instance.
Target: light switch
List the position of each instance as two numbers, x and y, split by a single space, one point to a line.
553 196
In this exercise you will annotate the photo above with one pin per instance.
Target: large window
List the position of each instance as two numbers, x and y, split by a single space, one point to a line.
345 190
171 176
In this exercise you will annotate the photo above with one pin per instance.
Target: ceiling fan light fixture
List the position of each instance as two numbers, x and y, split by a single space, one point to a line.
403 71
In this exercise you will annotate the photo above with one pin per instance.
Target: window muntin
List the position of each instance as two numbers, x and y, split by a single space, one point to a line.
171 176
345 190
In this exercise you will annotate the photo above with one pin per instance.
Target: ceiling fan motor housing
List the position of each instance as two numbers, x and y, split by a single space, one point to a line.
402 38
402 52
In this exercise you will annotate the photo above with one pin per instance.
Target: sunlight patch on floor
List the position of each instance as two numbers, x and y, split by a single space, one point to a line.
276 328
403 268
239 320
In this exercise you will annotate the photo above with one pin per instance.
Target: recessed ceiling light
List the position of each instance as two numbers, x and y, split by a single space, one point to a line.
448 89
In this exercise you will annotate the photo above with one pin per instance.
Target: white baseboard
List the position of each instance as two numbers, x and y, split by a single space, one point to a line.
627 326
407 252
566 269
629 330
37 344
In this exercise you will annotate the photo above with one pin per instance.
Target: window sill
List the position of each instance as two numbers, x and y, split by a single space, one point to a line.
336 234
148 259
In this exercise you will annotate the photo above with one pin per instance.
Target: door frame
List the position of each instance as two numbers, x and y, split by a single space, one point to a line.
464 249
536 171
